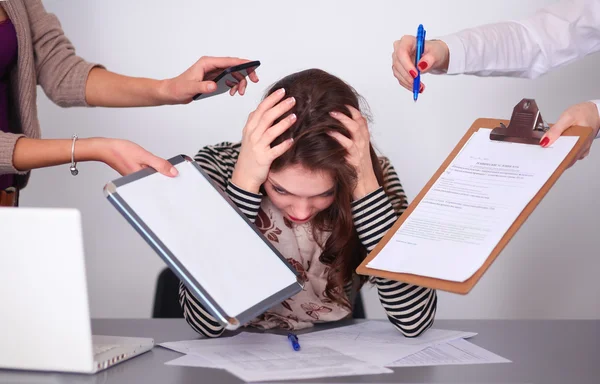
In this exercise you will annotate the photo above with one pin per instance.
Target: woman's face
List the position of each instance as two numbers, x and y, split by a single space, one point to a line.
300 193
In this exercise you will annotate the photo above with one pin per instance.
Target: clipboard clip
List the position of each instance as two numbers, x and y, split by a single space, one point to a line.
526 125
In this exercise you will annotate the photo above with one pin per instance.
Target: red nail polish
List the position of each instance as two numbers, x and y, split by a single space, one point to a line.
544 141
413 73
423 65
422 88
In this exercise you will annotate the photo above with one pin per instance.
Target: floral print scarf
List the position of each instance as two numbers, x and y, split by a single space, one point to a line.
296 243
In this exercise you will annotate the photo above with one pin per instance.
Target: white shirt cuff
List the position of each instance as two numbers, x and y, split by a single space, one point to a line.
456 49
597 102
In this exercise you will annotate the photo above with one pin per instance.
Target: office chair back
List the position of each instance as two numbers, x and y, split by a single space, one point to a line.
166 298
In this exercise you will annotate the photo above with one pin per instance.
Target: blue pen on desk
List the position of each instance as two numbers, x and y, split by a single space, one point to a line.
418 54
294 340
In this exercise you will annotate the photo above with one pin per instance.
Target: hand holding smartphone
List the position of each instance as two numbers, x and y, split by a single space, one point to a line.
229 78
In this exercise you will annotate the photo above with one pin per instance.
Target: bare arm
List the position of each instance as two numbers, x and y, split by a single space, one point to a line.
38 153
123 156
108 89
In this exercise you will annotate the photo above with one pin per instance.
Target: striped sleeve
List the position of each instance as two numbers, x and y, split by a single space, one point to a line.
218 162
410 308
247 202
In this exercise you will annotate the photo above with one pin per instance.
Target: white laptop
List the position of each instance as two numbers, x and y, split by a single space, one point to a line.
44 315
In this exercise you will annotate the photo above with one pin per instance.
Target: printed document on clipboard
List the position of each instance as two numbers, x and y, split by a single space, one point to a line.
477 200
470 207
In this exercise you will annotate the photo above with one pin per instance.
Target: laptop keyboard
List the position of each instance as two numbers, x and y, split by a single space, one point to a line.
101 348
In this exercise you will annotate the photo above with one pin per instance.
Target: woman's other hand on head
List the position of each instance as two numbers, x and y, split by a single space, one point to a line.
256 154
198 79
359 150
435 58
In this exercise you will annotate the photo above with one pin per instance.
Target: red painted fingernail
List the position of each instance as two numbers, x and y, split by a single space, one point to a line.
544 141
413 73
422 88
423 65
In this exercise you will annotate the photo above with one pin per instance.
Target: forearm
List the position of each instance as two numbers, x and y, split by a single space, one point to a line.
39 153
108 89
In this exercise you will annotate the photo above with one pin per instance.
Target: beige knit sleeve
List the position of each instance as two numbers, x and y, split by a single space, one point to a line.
61 73
7 148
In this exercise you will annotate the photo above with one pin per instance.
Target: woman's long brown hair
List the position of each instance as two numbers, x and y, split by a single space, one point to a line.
317 93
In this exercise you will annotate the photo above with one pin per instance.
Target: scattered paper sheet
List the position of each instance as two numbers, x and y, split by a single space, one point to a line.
457 352
280 362
378 342
383 332
466 212
365 348
190 346
191 361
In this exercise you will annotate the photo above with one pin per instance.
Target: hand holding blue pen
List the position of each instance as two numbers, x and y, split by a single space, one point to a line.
294 341
419 52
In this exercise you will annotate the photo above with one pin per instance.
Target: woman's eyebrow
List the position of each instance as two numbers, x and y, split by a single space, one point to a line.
277 185
332 189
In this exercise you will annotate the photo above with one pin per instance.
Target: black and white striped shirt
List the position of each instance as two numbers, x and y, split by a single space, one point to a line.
411 309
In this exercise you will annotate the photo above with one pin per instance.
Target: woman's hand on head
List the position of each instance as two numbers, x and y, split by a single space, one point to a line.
198 79
256 154
359 150
127 157
435 57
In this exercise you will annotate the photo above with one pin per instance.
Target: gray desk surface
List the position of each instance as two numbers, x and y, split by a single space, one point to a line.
541 351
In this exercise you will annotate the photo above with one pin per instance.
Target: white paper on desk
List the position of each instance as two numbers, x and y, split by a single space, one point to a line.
281 362
242 338
191 361
457 352
461 219
378 342
380 355
378 333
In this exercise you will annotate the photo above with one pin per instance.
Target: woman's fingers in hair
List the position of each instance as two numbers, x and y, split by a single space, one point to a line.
277 129
277 111
356 115
255 117
270 101
348 122
343 140
280 149
356 124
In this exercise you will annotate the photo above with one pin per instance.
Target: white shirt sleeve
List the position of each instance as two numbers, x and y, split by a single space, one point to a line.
554 36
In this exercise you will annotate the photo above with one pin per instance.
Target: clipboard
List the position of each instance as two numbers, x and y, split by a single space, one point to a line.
525 126
186 220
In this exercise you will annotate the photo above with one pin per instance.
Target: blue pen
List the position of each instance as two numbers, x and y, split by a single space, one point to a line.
419 53
294 340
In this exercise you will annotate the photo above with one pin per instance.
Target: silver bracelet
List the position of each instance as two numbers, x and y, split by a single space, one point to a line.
74 170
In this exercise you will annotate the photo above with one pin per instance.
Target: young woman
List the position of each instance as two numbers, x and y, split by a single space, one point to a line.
306 174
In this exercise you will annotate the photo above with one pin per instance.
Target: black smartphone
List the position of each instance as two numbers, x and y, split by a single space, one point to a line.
229 78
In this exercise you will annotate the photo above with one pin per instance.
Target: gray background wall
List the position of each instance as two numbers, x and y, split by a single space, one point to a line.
548 270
